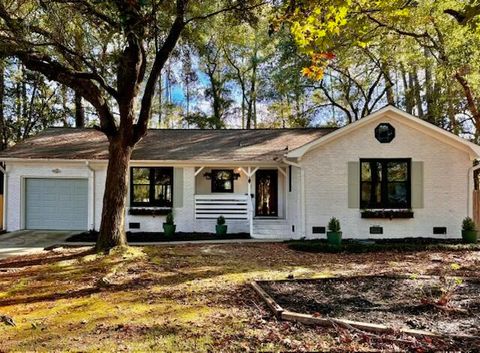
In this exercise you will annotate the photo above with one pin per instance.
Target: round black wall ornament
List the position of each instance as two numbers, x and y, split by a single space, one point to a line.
384 133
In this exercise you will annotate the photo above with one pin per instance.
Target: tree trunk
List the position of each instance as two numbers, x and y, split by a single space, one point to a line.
471 103
63 92
388 85
451 111
24 99
18 106
79 112
418 94
251 112
407 91
431 114
243 110
411 92
160 102
112 228
217 103
3 127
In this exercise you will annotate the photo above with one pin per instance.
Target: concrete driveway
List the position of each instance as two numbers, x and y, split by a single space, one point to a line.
24 242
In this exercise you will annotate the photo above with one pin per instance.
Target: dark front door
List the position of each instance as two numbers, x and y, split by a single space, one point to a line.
266 193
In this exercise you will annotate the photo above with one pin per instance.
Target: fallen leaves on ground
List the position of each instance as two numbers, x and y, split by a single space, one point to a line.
188 298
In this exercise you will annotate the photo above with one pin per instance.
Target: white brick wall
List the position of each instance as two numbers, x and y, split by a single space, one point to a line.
184 216
445 188
294 204
445 182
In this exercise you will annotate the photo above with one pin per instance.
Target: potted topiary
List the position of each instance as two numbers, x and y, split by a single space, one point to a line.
169 225
469 230
221 227
334 234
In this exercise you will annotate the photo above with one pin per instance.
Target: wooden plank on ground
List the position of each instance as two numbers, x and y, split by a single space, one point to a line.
324 321
272 304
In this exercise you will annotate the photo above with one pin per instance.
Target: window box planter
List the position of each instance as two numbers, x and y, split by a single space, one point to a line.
387 214
149 211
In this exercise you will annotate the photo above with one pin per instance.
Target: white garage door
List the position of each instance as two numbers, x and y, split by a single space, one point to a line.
56 204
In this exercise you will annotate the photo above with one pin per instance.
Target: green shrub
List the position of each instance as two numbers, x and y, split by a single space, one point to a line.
468 224
334 225
169 219
221 220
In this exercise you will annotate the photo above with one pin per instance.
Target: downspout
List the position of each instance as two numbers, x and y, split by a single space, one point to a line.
87 163
5 188
302 194
470 185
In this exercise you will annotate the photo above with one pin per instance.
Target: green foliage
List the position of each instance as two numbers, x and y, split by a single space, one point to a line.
404 42
468 224
169 219
29 103
334 225
233 71
221 220
203 121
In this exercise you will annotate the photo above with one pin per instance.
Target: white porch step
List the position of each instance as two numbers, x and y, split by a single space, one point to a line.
271 228
271 231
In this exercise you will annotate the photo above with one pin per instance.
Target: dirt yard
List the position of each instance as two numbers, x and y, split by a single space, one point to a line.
448 306
191 298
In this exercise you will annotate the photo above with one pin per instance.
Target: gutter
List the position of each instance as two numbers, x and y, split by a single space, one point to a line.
470 186
87 163
151 162
302 194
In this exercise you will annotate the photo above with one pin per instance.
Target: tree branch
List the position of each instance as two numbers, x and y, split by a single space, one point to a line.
334 103
371 90
70 54
88 8
238 6
56 72
398 30
161 58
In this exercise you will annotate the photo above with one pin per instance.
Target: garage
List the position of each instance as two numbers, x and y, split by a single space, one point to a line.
59 204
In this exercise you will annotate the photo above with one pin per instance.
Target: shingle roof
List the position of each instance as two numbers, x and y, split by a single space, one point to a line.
168 144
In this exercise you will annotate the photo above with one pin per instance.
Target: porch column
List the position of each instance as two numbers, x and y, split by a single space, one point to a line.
250 206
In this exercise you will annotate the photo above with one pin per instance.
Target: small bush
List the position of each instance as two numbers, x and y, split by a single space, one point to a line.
169 219
221 221
468 224
334 225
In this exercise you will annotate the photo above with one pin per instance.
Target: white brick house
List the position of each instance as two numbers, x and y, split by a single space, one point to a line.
387 175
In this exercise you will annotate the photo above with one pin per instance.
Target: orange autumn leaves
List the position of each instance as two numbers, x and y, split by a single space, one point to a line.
318 63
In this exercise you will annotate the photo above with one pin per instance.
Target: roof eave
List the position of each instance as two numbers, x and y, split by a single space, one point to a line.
149 161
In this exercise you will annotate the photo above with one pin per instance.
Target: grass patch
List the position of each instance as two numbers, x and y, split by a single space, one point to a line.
381 245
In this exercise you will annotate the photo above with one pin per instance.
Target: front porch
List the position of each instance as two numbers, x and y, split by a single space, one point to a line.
252 199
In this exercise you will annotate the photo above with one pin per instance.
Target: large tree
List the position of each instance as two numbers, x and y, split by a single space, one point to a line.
115 69
430 43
